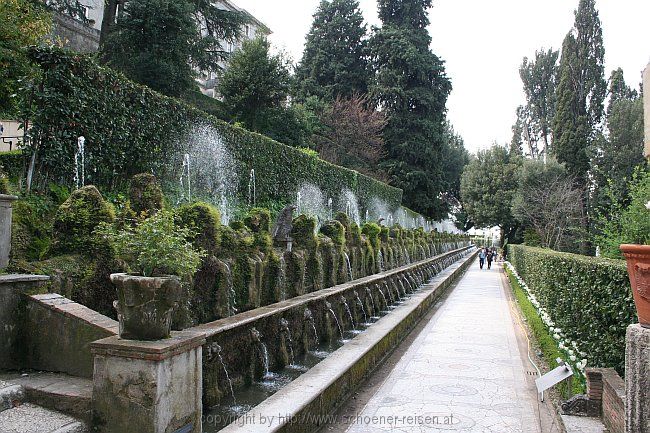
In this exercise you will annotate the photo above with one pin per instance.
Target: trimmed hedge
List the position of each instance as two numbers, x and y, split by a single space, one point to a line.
589 298
131 129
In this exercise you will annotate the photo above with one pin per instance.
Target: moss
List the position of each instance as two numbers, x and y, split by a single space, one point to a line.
355 234
204 220
145 194
77 218
335 231
237 225
303 232
329 256
372 231
384 234
258 220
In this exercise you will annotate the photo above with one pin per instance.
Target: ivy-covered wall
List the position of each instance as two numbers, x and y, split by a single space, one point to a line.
589 299
130 129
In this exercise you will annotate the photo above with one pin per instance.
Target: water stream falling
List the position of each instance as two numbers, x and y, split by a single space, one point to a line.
390 294
80 163
232 301
372 301
329 208
381 292
186 184
363 309
348 201
284 325
380 261
348 311
217 350
347 261
282 278
328 306
252 192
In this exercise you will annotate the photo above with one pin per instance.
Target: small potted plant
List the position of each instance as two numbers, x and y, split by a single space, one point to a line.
157 253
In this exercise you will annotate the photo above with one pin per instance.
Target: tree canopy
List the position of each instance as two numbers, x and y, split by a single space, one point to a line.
335 59
488 187
411 87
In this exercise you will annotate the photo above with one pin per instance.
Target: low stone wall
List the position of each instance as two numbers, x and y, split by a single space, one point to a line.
306 320
59 334
606 387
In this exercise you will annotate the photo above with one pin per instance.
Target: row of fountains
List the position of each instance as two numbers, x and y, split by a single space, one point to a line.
246 364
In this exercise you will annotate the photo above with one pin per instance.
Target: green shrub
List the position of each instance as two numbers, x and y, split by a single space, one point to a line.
588 298
630 224
145 194
156 246
76 220
12 163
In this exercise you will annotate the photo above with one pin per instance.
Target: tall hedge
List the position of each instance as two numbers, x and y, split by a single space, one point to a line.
589 298
131 129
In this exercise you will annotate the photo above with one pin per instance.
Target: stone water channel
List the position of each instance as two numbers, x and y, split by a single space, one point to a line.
250 356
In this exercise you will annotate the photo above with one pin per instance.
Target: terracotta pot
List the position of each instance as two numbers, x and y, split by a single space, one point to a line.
144 305
638 268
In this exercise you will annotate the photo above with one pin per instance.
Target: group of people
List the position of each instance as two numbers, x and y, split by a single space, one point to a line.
487 255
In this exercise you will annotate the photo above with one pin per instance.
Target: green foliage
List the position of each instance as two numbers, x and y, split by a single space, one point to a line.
76 219
255 81
22 23
127 130
335 59
547 344
212 106
156 246
152 43
31 226
145 195
488 187
626 224
581 91
335 231
412 88
203 222
588 298
12 163
539 77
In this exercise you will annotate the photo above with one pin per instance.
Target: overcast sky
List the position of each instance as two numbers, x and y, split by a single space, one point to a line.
483 43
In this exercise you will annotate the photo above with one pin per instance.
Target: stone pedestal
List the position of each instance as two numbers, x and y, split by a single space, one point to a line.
5 228
637 379
148 386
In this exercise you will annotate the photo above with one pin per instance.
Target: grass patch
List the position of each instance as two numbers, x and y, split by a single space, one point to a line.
545 341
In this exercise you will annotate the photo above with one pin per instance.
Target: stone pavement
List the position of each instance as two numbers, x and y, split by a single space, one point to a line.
463 373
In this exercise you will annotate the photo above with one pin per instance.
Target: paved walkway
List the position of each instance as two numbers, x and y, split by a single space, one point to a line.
464 371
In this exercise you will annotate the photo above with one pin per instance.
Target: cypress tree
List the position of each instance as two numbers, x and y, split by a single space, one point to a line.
412 88
335 60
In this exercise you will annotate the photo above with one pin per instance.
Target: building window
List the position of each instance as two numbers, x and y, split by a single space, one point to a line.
247 30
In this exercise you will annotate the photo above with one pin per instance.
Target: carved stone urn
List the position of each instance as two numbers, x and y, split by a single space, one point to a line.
638 268
144 305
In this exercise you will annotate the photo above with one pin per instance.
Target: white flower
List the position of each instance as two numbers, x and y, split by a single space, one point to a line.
557 337
552 329
572 358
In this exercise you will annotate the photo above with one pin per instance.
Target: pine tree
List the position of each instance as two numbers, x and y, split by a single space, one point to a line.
412 88
335 60
580 93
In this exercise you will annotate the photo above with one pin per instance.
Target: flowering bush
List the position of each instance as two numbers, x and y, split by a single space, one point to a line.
585 302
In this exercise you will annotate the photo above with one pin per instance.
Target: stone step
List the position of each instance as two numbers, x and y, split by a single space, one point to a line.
60 392
31 418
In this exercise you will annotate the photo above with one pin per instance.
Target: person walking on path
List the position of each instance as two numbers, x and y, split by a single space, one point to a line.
489 256
481 257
